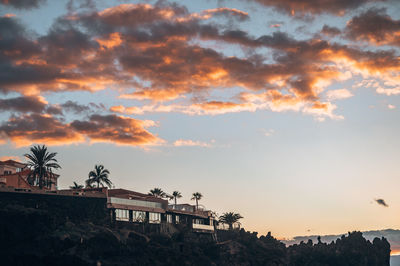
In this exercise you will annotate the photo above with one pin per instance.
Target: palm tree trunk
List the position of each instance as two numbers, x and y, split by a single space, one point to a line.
230 226
175 201
40 178
197 205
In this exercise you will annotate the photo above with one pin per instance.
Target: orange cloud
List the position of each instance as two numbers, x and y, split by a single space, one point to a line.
156 53
37 128
116 129
14 158
275 25
9 15
113 40
42 128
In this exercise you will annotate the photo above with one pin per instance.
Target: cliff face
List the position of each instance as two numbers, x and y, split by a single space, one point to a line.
34 235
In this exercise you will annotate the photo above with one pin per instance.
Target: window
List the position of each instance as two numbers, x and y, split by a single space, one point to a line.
169 218
177 220
121 215
198 221
138 216
154 218
7 172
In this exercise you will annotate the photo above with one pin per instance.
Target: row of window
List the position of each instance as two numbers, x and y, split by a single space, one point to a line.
140 216
169 219
123 215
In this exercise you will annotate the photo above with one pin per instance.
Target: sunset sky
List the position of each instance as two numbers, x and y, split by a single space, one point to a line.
285 111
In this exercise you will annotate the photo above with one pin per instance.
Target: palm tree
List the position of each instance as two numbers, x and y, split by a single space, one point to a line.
176 195
76 186
157 192
230 218
99 176
88 184
41 163
197 196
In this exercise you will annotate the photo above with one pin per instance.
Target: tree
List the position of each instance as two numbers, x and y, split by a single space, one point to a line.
197 196
41 163
230 218
99 176
76 186
157 192
176 195
88 185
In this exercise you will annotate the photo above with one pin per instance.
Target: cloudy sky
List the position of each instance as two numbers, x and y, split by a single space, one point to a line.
286 111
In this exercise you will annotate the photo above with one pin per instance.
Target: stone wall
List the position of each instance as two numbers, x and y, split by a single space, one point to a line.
59 207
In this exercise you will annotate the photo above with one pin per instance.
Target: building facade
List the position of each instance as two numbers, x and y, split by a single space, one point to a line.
15 174
133 207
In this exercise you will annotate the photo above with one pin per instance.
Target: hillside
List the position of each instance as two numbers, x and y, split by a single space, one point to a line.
32 236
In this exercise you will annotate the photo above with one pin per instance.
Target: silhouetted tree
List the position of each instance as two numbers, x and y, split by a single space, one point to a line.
76 186
197 196
41 163
176 195
230 218
157 192
99 176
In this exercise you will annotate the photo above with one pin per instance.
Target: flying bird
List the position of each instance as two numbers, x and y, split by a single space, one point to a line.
381 202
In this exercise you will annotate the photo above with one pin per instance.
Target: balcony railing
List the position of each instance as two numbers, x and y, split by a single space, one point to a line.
203 227
132 202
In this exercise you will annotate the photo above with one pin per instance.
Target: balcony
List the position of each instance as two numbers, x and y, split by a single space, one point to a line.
203 227
131 202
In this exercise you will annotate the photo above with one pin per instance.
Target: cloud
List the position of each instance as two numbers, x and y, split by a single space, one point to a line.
293 7
381 202
23 104
32 128
275 25
228 12
116 129
37 104
388 91
22 4
268 132
192 143
391 106
157 53
14 158
374 26
27 129
75 107
9 15
330 31
338 94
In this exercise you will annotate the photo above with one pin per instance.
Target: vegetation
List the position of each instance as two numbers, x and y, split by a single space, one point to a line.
197 196
176 195
230 218
99 176
157 192
53 231
41 163
76 186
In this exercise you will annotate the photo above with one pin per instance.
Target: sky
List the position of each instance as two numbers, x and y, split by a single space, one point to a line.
285 111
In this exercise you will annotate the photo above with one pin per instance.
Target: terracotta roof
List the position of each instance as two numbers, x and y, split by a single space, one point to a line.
13 163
